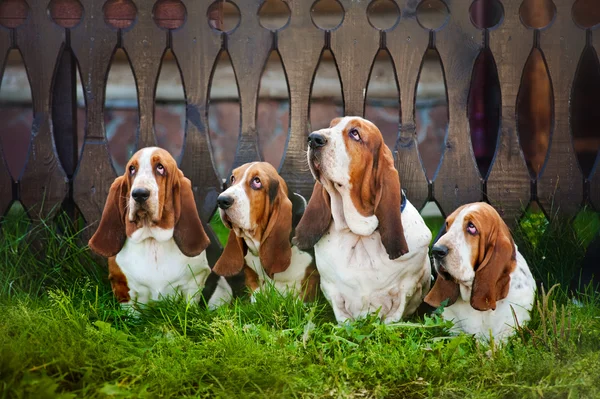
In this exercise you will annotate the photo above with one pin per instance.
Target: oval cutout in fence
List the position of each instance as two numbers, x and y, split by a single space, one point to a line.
16 113
585 118
119 14
431 112
486 14
537 14
121 111
432 14
65 13
586 13
484 110
170 107
224 114
383 14
327 14
273 113
534 111
434 219
68 112
383 98
224 16
13 13
326 98
169 14
274 14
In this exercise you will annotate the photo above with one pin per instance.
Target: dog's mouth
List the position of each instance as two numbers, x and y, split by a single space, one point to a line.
315 161
443 272
226 219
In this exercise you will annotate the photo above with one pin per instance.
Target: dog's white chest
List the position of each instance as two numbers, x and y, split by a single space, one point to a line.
357 276
155 269
499 323
287 281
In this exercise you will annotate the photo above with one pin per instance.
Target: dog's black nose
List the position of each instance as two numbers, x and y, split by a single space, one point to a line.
316 140
224 201
439 251
140 195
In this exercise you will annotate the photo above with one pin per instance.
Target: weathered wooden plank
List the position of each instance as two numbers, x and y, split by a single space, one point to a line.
196 47
354 45
595 178
509 182
249 46
300 45
458 43
407 44
6 192
93 43
44 183
560 185
145 44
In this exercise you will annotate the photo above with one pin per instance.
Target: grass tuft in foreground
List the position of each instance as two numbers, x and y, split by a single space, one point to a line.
63 335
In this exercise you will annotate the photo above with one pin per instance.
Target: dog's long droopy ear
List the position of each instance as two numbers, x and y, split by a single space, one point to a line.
316 219
492 275
188 233
110 235
442 289
275 250
387 205
231 261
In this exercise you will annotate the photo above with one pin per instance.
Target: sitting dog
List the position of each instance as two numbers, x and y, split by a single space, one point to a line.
481 274
152 235
356 218
259 213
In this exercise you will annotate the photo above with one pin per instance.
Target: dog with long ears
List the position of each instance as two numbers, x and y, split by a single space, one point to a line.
481 273
259 212
152 235
356 220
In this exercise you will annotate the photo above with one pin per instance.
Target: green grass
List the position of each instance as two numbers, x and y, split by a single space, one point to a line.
63 335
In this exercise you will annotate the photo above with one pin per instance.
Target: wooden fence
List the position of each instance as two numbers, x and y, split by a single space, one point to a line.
88 36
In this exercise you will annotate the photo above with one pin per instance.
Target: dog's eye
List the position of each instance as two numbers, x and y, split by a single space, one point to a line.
471 229
160 169
354 135
132 170
232 179
255 183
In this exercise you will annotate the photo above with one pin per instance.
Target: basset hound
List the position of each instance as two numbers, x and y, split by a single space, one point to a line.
356 219
482 274
152 235
257 209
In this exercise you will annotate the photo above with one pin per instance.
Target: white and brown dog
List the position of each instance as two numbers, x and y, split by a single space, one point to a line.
257 209
356 219
481 274
152 235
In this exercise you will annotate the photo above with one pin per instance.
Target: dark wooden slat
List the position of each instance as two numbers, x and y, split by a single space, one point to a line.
6 194
354 45
407 44
145 45
560 185
459 42
44 183
595 178
93 43
249 47
300 45
196 47
509 182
